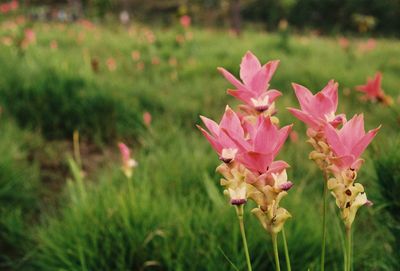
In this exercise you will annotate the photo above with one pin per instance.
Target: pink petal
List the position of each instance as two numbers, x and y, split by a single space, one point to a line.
304 95
273 94
211 125
357 164
320 106
334 140
331 92
242 95
258 83
352 131
249 67
343 162
214 143
278 166
231 123
270 68
239 142
359 148
283 135
228 76
304 117
255 162
266 136
125 152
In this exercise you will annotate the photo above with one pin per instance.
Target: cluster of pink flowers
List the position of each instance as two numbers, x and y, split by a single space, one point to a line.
337 150
9 6
249 141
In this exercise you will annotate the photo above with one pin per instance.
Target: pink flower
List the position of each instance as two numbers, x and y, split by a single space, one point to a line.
5 8
319 109
125 152
255 82
155 60
344 43
185 21
53 45
29 38
372 89
259 148
13 5
147 119
349 142
367 46
111 64
135 55
30 35
294 136
219 140
127 162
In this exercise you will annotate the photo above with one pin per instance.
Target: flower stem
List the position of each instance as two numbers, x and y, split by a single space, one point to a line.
276 253
239 212
285 246
324 193
348 237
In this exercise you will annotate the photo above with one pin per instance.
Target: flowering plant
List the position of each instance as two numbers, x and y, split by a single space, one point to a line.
249 140
247 143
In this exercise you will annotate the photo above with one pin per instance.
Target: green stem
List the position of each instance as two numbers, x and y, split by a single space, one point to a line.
276 253
239 212
285 246
348 239
324 193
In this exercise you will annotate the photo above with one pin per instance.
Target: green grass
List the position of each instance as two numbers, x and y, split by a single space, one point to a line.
172 214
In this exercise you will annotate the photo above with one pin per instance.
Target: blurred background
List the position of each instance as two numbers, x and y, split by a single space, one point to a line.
79 77
327 16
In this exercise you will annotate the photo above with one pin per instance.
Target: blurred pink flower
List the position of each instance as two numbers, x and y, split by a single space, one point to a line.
140 66
147 118
4 8
367 46
150 37
111 64
29 38
172 61
135 55
30 35
7 41
87 24
14 5
185 21
319 109
155 60
20 20
372 89
294 136
344 43
10 6
53 44
348 143
128 163
180 38
253 90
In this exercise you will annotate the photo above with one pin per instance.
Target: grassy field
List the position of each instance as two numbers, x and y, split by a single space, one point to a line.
172 215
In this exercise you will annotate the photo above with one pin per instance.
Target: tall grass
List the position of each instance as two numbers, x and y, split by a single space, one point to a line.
19 191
